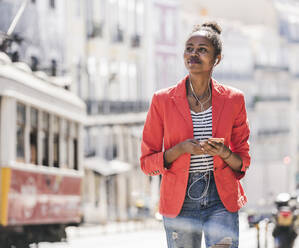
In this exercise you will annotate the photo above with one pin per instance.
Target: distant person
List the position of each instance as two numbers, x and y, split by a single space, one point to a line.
203 127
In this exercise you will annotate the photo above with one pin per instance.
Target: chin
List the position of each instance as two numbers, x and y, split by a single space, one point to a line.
194 70
197 70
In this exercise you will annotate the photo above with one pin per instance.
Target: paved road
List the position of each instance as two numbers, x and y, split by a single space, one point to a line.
152 236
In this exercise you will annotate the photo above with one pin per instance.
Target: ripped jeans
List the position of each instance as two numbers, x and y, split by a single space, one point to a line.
202 212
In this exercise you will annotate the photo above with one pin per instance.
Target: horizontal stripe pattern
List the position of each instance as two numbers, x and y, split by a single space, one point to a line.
202 130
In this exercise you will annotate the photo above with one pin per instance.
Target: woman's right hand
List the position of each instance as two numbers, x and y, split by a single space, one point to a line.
192 146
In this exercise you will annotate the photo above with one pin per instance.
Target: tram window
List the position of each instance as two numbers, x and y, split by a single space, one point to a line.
21 120
45 139
65 144
74 147
56 142
33 136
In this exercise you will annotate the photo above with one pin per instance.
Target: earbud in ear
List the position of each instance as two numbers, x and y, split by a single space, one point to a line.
216 62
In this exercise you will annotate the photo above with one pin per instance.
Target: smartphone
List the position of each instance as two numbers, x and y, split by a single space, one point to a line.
217 140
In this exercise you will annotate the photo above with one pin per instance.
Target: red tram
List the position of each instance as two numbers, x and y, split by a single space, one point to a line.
41 153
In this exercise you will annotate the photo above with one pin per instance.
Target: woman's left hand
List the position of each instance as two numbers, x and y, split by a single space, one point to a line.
214 148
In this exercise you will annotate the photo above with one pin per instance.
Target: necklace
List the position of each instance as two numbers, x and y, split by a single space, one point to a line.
196 98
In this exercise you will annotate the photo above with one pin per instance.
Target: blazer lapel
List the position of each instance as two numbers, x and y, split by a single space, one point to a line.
181 103
218 101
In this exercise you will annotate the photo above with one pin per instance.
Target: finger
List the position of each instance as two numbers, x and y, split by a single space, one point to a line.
208 146
201 148
211 150
211 153
194 141
215 144
198 151
212 144
219 147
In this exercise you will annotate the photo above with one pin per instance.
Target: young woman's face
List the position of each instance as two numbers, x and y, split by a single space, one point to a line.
199 54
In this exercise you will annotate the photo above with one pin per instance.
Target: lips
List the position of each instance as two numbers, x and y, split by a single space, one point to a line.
194 60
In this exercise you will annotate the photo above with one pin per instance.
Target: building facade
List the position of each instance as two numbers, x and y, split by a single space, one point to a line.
130 55
39 34
258 59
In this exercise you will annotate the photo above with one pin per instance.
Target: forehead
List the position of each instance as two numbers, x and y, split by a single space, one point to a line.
198 38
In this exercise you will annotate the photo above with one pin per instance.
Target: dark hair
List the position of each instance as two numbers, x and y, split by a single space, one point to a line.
213 34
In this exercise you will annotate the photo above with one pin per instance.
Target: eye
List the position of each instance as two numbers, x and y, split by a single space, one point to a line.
189 49
202 50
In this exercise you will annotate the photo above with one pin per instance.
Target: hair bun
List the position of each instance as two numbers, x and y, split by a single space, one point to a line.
213 25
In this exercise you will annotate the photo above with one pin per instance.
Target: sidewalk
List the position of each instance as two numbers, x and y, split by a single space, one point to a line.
248 236
112 228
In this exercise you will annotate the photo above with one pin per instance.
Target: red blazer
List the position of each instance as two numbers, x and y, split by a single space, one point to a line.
169 122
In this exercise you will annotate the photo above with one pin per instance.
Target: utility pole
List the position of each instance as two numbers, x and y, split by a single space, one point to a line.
7 38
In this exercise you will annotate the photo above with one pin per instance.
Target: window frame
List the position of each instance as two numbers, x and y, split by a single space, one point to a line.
46 129
22 123
33 129
74 143
64 141
56 140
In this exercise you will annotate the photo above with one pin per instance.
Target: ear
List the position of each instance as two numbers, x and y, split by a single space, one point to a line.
217 60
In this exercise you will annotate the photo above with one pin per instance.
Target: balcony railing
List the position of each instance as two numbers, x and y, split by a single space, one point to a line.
96 30
135 40
277 98
273 132
271 67
114 107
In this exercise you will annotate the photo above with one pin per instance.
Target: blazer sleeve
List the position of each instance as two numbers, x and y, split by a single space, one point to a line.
239 139
151 160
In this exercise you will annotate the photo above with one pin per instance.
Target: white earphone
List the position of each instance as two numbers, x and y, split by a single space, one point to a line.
216 62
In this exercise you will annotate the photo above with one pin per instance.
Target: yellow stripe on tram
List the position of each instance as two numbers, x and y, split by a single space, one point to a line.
5 184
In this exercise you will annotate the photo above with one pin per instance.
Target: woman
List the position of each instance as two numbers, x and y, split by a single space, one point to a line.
200 189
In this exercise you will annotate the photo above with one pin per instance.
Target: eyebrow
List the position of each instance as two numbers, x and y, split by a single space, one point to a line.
200 44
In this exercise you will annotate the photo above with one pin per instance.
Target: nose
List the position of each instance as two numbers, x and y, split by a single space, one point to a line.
196 52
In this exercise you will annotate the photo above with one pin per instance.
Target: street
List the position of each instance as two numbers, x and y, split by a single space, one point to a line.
151 235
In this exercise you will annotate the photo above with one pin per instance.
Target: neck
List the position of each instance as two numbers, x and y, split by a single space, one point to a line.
200 84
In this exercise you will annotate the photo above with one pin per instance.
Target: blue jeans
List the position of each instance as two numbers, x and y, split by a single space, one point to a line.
202 212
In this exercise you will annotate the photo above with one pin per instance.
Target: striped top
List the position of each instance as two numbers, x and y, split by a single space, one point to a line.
202 130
